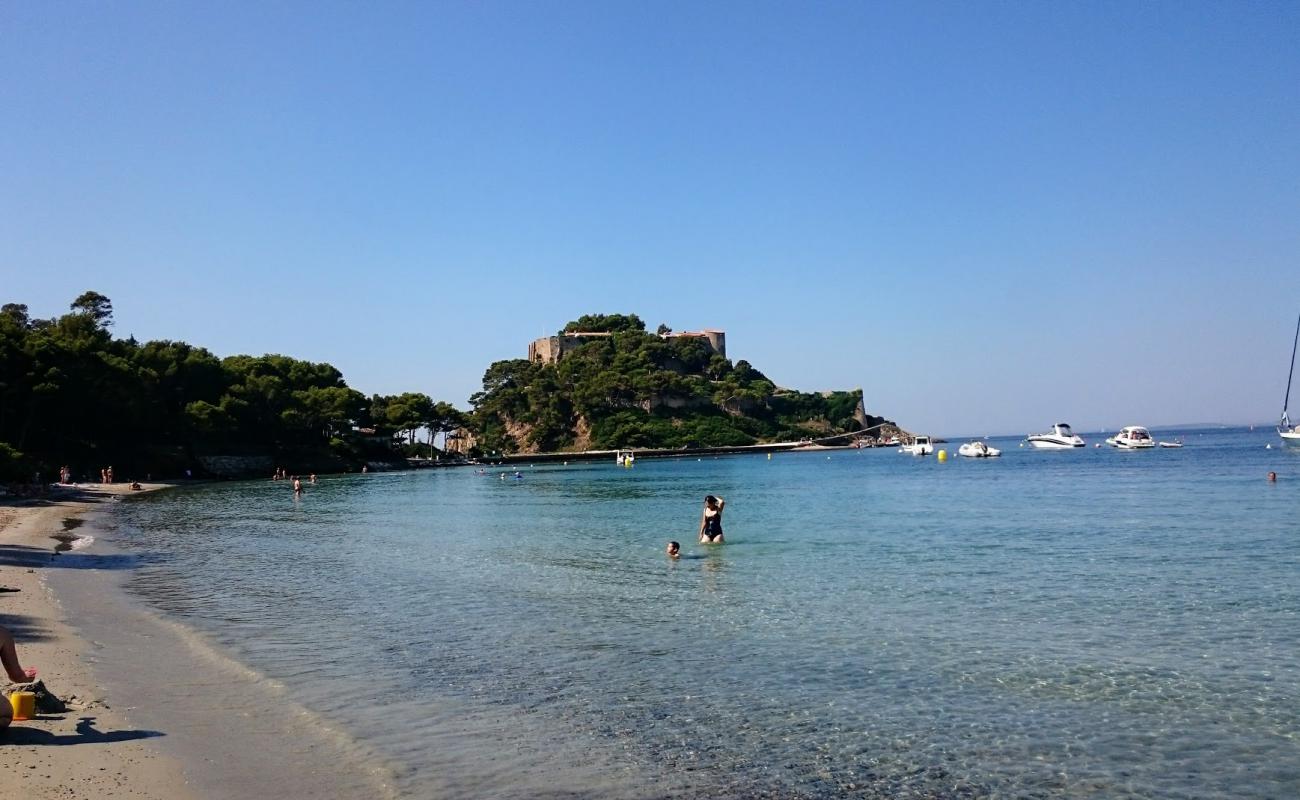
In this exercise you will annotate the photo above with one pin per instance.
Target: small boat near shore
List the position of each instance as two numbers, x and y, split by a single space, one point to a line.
1132 437
1171 444
922 446
978 449
1060 437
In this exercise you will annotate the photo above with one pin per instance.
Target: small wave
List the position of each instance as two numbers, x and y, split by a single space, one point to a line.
81 542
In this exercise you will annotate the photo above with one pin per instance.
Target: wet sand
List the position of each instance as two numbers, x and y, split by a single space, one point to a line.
93 750
154 710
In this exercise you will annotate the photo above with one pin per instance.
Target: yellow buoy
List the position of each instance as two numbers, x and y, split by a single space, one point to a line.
943 456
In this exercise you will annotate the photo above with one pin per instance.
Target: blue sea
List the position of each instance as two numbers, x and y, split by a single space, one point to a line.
1091 623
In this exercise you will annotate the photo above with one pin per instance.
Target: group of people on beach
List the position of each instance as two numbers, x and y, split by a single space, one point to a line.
710 525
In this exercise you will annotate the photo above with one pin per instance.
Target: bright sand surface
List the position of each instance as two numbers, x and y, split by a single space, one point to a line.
154 711
93 750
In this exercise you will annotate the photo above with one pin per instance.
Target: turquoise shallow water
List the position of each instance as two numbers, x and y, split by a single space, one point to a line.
1070 624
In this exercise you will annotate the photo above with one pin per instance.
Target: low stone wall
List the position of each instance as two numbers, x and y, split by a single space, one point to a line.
237 466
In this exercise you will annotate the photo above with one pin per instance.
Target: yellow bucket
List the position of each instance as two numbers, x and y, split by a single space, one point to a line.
24 705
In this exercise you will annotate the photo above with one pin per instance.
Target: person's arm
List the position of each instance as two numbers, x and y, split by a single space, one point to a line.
704 521
9 655
721 503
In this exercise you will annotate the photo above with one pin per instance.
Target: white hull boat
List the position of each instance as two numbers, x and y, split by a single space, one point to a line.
1290 432
1133 437
921 447
1059 438
978 450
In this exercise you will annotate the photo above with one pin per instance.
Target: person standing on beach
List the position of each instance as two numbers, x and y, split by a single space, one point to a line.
711 520
110 473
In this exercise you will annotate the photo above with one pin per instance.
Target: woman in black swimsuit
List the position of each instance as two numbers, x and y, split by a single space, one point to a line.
711 521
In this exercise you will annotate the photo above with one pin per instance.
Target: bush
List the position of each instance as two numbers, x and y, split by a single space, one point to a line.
14 466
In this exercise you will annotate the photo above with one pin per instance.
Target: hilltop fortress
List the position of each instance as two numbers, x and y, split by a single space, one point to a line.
550 349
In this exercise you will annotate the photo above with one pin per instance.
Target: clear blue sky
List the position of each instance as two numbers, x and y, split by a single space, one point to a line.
991 216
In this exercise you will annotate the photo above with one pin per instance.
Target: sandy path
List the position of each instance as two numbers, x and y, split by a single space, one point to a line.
93 751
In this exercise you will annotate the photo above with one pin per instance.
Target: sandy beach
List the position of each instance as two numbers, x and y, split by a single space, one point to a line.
93 750
152 705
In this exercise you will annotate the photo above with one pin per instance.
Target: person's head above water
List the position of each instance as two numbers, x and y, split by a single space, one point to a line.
674 549
710 501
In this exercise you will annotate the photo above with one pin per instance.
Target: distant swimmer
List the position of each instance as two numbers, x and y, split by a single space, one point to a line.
711 520
312 478
1272 477
297 487
674 550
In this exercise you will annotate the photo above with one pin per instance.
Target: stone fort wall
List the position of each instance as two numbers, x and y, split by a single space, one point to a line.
550 349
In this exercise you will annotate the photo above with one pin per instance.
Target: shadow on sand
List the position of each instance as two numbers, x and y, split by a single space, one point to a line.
86 734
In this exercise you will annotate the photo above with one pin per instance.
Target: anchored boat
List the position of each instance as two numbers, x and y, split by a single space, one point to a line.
1059 438
1133 437
978 449
1290 432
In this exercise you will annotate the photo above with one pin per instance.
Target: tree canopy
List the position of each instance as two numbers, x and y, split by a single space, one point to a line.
72 394
637 389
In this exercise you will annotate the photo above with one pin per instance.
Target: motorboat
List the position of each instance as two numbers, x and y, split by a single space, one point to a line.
921 446
1132 437
978 449
1171 444
1289 431
1059 438
892 441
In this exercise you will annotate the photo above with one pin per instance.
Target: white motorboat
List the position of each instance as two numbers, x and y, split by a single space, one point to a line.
922 446
1171 444
1290 432
1059 438
1132 437
978 449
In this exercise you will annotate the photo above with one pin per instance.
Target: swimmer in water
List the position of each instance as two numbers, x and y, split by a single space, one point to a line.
297 487
711 520
674 550
1272 477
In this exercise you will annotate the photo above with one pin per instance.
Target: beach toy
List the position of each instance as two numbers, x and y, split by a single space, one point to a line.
943 456
23 705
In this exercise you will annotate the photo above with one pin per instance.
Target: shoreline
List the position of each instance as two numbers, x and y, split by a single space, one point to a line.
42 755
169 715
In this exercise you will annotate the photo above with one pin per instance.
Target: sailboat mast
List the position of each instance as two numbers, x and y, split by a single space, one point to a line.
1287 400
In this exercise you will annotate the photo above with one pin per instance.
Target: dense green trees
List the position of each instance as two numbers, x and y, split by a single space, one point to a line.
72 394
635 389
